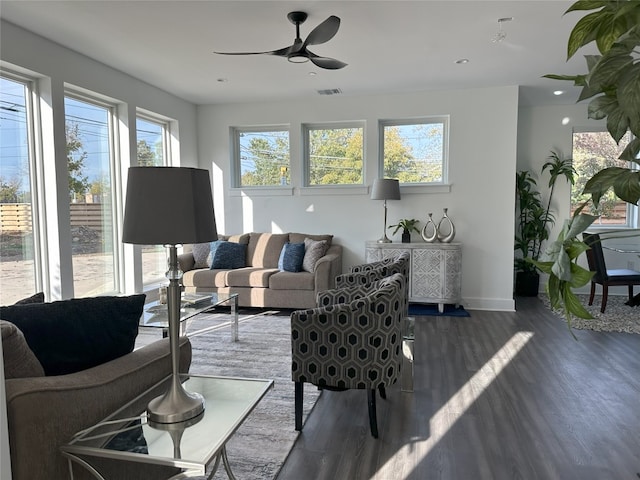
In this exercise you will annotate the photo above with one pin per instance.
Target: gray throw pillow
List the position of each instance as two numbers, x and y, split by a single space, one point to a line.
19 359
201 255
313 251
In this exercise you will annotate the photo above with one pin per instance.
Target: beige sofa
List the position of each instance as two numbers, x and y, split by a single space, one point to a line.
260 283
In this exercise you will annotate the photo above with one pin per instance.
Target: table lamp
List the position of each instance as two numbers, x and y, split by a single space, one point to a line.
170 206
385 189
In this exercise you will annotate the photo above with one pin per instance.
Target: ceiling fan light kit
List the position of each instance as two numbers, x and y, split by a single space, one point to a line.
298 52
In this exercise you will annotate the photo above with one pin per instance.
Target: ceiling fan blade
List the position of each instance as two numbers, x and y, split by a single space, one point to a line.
282 52
323 32
326 62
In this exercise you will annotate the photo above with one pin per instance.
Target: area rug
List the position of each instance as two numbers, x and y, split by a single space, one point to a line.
259 448
432 310
617 317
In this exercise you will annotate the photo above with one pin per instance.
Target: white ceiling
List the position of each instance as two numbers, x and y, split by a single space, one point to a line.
390 46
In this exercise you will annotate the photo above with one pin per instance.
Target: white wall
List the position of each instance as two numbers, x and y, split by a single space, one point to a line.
482 149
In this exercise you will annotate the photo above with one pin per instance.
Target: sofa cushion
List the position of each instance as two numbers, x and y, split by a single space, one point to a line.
250 277
19 359
227 255
299 237
72 335
205 278
314 251
201 254
264 249
291 257
238 238
292 281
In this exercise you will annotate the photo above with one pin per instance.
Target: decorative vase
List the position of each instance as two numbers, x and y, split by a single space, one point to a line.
406 237
442 228
430 230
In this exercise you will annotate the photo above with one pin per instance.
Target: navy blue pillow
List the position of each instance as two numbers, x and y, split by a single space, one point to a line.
72 335
228 255
291 257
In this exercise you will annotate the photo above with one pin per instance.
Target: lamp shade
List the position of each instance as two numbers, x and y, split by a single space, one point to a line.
168 206
385 189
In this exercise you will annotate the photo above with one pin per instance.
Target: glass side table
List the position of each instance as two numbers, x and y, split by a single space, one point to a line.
408 338
192 446
156 314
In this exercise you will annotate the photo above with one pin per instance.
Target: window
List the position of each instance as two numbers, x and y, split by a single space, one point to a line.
593 151
18 228
261 157
90 135
415 151
334 154
153 151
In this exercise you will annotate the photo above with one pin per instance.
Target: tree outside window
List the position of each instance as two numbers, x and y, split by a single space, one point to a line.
334 156
262 157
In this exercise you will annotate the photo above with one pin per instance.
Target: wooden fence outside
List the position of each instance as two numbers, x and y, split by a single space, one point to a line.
16 217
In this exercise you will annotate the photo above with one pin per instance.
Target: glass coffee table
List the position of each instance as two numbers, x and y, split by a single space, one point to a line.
192 446
156 314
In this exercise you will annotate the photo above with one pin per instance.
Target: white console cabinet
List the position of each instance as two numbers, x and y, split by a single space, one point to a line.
436 269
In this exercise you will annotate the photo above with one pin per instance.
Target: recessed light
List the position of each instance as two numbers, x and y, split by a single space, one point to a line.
558 92
566 120
312 74
462 61
222 80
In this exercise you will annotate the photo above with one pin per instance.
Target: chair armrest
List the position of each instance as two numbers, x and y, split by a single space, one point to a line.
346 294
359 278
327 268
44 412
186 261
365 267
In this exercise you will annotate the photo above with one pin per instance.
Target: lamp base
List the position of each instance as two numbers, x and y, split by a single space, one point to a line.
384 239
176 405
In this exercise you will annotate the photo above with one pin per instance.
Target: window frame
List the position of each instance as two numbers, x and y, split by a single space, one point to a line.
441 186
306 155
236 166
35 163
115 166
633 211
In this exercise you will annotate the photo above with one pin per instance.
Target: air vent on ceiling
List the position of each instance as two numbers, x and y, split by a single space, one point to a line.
330 91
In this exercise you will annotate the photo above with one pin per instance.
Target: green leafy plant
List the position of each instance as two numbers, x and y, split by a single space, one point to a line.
613 85
535 219
407 225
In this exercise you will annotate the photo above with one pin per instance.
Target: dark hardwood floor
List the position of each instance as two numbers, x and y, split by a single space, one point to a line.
496 396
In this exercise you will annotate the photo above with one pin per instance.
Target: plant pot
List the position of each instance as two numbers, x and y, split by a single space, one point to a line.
406 237
527 284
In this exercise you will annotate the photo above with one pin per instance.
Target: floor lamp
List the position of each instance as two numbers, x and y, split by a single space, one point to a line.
170 206
385 189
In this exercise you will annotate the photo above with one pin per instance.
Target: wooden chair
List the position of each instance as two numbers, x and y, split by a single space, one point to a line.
603 276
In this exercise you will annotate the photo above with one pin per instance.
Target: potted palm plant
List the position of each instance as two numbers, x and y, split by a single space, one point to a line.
407 225
534 221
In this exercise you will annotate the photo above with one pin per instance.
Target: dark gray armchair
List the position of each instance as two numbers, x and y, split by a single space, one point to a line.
354 342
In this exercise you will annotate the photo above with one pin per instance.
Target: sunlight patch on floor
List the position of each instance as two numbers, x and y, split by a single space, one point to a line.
444 419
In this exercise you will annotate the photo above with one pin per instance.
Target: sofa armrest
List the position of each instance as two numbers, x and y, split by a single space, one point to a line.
44 412
327 268
186 261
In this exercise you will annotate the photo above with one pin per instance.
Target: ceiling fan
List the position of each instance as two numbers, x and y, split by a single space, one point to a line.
298 52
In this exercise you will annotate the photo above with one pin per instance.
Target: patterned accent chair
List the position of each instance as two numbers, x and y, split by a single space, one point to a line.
352 344
370 272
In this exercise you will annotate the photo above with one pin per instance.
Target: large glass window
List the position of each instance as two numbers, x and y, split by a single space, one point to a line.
261 157
18 277
593 151
415 151
90 160
152 151
334 154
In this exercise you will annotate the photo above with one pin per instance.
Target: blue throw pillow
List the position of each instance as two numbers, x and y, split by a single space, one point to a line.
68 336
228 255
291 257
